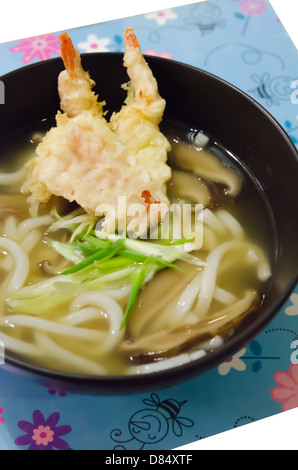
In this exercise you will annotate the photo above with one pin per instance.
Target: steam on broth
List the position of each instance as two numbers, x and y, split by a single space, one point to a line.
76 298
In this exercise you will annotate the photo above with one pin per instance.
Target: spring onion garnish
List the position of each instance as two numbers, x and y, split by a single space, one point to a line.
138 280
104 254
98 264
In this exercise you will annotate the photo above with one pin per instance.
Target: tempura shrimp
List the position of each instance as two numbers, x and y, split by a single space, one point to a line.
136 124
146 97
74 84
90 161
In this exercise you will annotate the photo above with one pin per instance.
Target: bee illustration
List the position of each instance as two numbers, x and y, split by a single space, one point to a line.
170 409
151 425
271 90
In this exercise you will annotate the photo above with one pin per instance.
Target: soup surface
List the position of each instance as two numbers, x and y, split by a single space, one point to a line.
60 317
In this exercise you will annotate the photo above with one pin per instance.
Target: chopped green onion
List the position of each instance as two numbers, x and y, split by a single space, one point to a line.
98 264
118 262
182 241
138 281
85 248
99 255
95 242
138 257
67 250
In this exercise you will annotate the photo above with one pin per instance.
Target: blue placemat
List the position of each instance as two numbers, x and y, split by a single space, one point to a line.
245 43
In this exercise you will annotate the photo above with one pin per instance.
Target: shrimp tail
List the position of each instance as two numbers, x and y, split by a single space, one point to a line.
130 39
74 83
69 55
143 83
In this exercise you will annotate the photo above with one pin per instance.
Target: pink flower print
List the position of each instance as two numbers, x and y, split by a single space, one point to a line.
165 55
252 7
1 419
94 44
43 434
41 47
162 16
287 389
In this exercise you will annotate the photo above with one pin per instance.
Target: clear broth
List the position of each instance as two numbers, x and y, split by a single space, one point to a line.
250 208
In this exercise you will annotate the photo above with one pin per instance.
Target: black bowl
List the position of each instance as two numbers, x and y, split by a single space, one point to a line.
197 100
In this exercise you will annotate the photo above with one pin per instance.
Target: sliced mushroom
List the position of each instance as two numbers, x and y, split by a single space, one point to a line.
169 284
205 164
188 187
48 268
168 344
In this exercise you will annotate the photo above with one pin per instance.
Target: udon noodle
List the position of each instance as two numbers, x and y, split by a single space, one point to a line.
73 300
180 315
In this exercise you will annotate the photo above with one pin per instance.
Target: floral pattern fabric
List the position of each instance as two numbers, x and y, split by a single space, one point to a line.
245 43
43 434
287 389
252 7
40 47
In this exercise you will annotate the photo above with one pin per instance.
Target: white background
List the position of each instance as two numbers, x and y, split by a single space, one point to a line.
26 18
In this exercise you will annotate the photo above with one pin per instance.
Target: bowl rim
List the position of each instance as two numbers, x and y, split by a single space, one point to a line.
120 384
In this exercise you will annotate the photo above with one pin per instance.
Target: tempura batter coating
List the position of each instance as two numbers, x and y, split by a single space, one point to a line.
93 162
